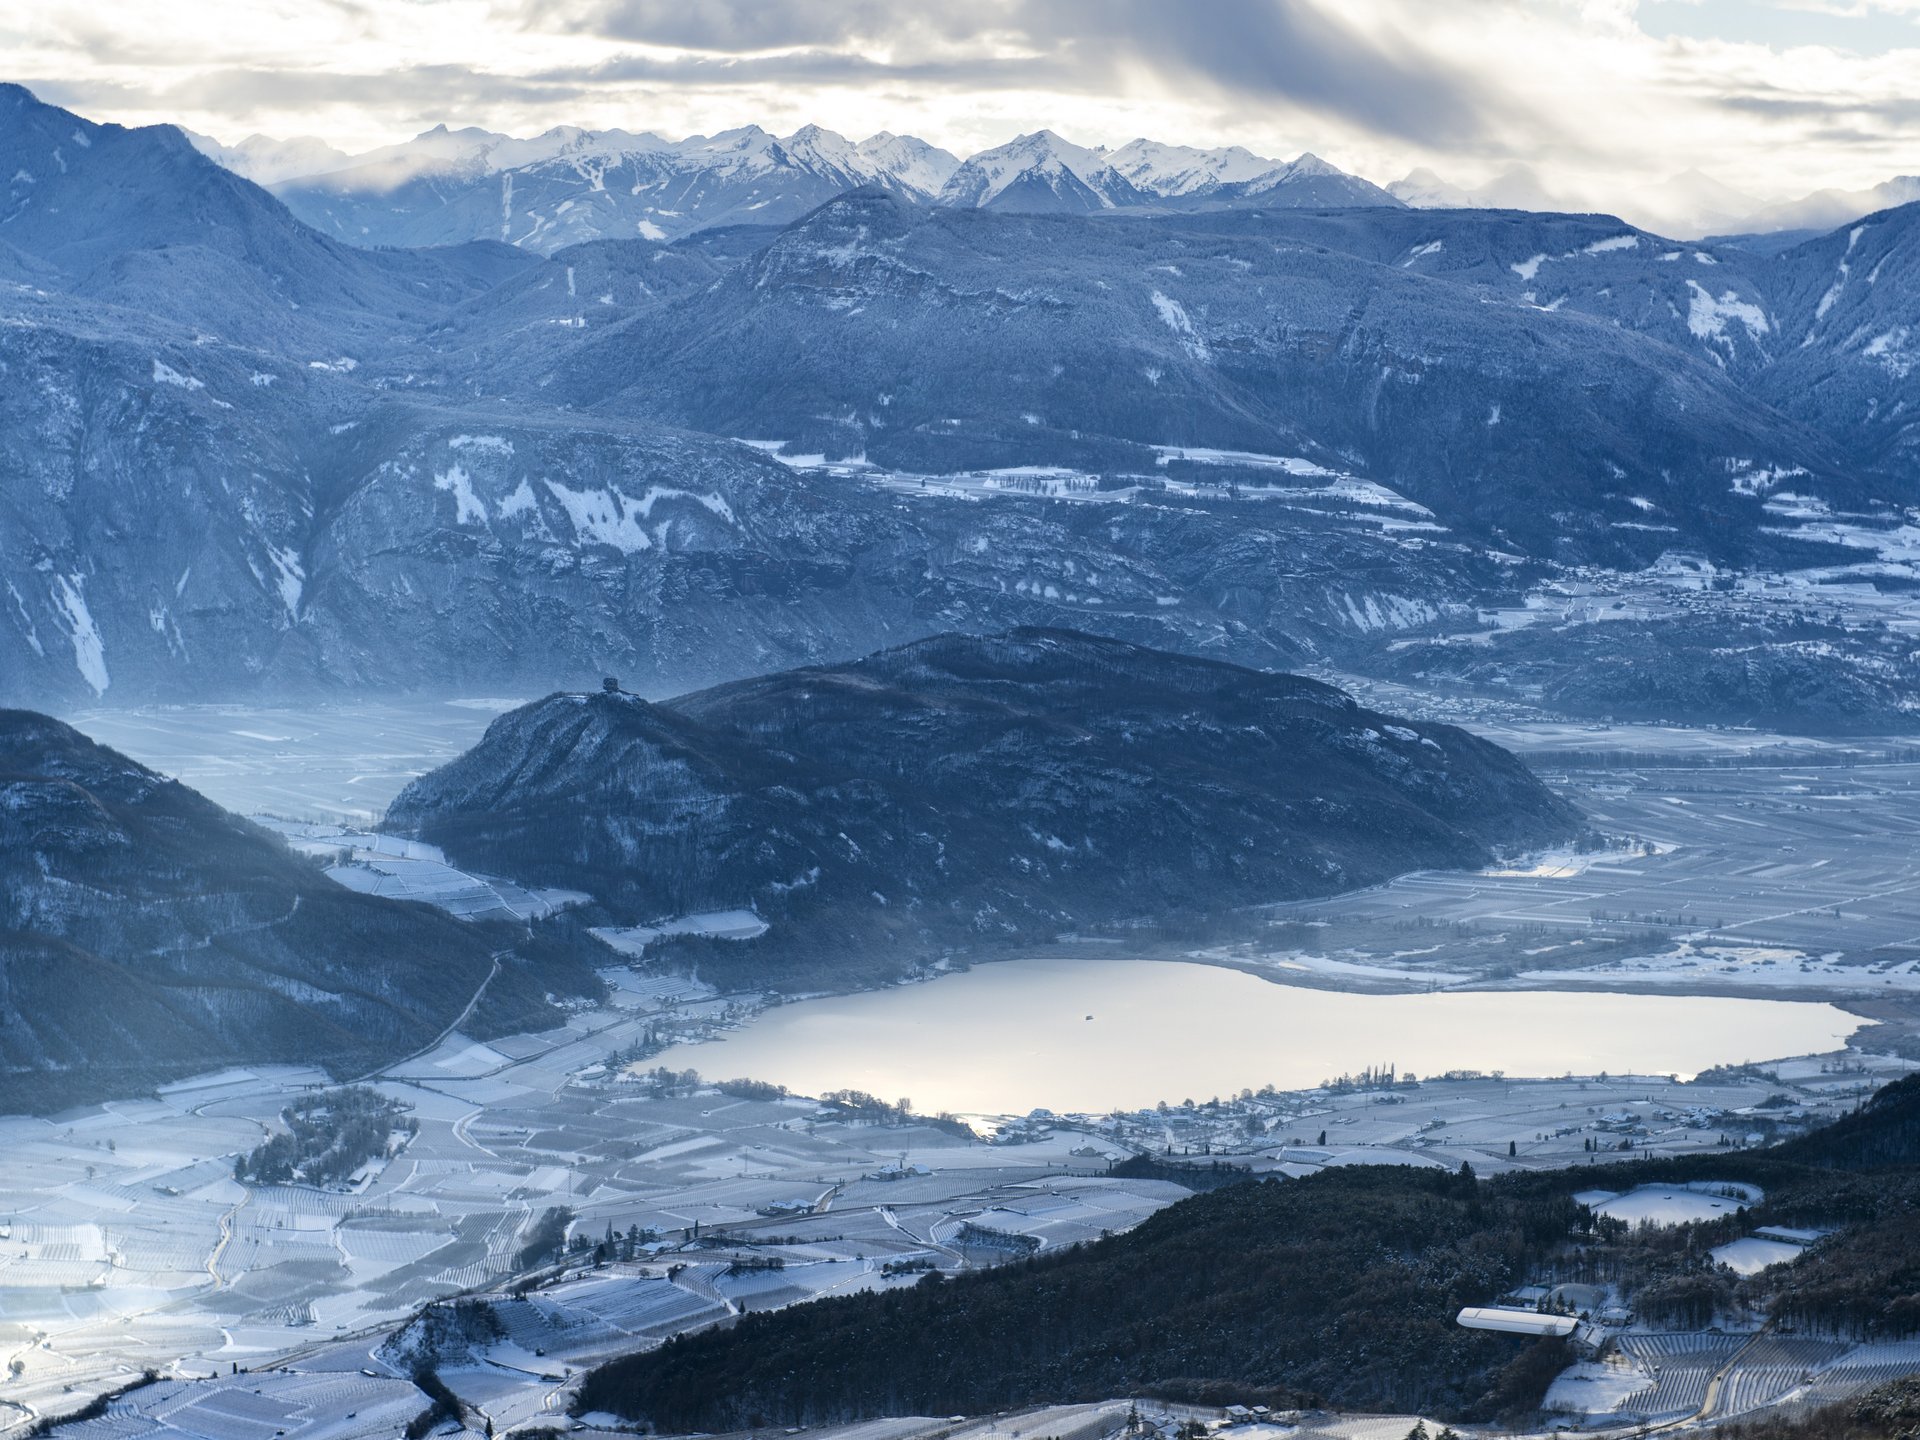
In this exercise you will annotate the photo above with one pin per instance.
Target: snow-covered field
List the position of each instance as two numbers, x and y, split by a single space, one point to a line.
399 869
136 1247
1769 878
632 940
1751 1254
1770 967
1597 1387
131 1245
1671 1205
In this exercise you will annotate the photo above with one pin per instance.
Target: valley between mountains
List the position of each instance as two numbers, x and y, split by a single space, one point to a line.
757 783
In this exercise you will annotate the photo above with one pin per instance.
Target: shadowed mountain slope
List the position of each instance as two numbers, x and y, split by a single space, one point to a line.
147 934
970 793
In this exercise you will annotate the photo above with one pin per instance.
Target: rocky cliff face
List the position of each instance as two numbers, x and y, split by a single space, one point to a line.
970 793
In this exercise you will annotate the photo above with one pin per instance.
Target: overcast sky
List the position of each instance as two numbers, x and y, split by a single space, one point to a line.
1776 97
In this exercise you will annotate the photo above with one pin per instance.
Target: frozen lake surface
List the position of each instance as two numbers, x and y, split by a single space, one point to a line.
1094 1035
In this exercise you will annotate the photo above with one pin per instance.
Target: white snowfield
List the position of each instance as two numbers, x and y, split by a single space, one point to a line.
633 940
136 1246
1678 1204
401 869
1330 493
130 1243
1708 316
343 1405
1596 1387
1751 1254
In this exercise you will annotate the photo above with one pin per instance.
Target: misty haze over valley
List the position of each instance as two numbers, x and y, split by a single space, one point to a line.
726 755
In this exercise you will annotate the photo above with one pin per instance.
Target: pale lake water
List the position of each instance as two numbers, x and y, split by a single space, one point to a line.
1098 1035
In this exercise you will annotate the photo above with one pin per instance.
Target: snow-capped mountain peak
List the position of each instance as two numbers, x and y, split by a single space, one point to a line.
1424 190
1039 170
1045 149
746 146
266 161
442 143
1311 164
822 151
1182 170
913 163
1517 187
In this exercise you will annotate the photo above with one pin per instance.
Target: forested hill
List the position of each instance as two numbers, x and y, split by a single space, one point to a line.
1341 1288
146 934
970 791
1887 1412
1280 1292
1884 1131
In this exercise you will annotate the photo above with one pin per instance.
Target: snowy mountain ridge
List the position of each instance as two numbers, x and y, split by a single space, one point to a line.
569 185
1154 167
254 454
789 174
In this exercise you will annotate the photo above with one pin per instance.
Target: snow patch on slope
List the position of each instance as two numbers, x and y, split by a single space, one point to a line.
1891 349
290 578
164 374
1840 281
518 503
1174 316
89 651
489 444
467 505
26 622
1708 318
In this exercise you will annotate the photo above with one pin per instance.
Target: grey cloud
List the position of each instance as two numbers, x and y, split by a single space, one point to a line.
1894 111
1237 55
422 86
816 66
89 97
1298 51
738 27
1852 137
1287 49
429 90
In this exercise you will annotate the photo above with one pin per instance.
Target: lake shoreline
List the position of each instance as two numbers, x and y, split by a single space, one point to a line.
1006 1037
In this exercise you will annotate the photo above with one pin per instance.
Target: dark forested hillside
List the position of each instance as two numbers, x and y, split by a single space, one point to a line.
145 933
1884 1131
1887 1412
969 792
1341 1287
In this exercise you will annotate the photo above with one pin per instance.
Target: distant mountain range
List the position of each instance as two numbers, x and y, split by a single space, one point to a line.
255 458
147 934
969 793
569 185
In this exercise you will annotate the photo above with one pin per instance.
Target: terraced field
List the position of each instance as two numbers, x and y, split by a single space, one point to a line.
1682 1367
1768 1369
1857 1370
